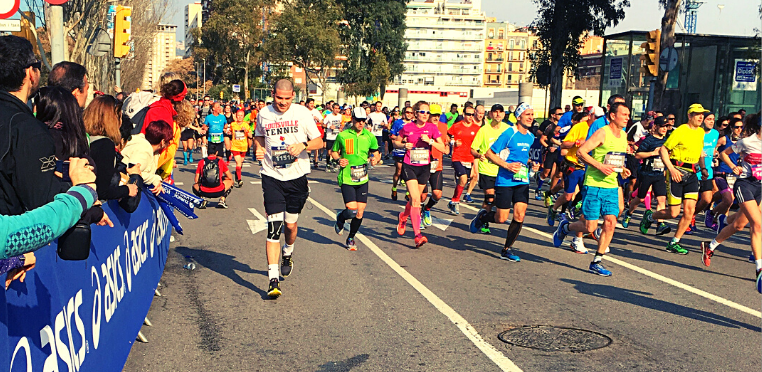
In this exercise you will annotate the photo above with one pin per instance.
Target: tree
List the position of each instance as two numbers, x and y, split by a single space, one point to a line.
560 26
662 101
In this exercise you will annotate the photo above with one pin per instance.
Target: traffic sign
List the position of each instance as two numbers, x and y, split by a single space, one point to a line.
668 59
10 25
8 8
56 2
236 88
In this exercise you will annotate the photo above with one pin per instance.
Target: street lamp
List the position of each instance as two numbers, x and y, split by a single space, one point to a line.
204 77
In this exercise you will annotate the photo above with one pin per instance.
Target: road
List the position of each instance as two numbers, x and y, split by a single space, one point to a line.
389 306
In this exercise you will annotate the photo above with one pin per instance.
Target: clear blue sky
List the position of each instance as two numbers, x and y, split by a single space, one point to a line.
738 17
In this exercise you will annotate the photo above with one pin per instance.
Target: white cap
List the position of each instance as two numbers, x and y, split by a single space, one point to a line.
598 111
359 113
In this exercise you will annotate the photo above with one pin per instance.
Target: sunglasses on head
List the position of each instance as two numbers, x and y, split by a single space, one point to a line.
37 65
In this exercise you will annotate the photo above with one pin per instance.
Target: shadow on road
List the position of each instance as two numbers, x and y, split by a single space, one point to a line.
224 264
344 365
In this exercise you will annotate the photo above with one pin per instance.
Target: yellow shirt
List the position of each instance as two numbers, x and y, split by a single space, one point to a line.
576 133
240 141
167 157
484 138
685 144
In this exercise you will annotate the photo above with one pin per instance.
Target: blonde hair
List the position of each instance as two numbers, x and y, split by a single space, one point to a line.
186 114
102 117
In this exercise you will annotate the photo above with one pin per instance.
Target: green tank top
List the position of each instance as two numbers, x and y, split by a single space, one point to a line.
616 148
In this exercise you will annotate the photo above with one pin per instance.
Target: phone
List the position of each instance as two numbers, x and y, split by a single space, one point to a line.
62 166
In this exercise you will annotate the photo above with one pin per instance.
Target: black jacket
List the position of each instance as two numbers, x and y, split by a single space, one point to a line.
27 159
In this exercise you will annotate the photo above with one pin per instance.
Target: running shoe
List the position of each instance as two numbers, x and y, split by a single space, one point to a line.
551 217
274 289
570 214
560 234
626 219
706 254
202 205
394 195
351 245
688 230
676 248
645 223
422 226
759 281
709 220
401 225
454 208
468 199
596 235
286 266
548 199
578 247
662 228
476 223
221 204
692 226
722 221
485 229
336 227
426 218
508 255
239 184
597 268
420 240
538 194
751 257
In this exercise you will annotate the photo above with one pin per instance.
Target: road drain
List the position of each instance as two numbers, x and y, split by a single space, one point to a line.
549 338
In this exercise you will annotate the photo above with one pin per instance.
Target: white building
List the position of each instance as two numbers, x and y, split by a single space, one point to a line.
193 20
162 52
445 43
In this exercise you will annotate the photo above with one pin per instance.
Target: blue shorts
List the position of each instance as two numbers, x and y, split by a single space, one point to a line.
599 202
573 180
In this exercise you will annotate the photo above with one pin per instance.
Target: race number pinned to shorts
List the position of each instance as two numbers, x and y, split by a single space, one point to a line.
616 160
359 173
522 175
215 137
434 165
657 165
468 165
240 135
419 156
731 178
280 157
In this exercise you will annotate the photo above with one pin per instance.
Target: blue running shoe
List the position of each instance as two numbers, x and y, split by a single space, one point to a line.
751 257
559 235
759 281
538 194
336 227
476 223
507 254
426 218
551 218
597 268
468 199
454 208
721 222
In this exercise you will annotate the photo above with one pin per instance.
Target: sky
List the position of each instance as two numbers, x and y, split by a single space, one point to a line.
738 17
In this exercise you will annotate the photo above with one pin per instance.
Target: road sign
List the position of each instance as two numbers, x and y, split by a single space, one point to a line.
10 25
668 59
100 44
56 2
236 88
8 8
745 74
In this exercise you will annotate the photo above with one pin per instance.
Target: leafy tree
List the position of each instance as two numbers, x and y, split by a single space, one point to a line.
560 26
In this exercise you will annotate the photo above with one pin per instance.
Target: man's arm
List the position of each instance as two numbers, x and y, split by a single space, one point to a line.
583 153
35 183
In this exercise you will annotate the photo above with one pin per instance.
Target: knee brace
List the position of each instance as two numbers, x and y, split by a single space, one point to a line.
274 227
489 198
291 217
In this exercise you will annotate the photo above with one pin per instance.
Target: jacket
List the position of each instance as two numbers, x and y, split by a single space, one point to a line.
139 151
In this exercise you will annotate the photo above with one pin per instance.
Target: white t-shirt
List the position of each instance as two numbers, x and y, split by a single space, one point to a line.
640 132
317 115
281 130
378 119
332 125
749 151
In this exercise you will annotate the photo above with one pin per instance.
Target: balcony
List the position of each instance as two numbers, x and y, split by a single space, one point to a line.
492 82
413 22
495 59
443 59
444 47
443 35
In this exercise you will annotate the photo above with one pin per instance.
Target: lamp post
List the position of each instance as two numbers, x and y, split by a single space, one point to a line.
204 77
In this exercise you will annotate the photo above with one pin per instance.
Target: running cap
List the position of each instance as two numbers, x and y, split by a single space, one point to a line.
697 108
497 107
358 113
523 106
435 109
598 111
660 121
578 101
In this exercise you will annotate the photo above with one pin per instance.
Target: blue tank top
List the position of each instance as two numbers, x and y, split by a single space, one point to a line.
723 168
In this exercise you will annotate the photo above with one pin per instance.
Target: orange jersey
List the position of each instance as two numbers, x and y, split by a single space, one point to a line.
436 154
460 132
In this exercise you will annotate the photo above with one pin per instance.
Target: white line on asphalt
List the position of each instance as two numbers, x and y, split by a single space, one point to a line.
658 277
260 182
179 183
494 354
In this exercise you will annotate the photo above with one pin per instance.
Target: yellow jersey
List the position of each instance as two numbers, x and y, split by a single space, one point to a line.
685 144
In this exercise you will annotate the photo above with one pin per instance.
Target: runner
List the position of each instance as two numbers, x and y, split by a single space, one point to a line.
216 124
188 138
417 138
436 179
488 170
748 192
707 187
239 146
228 135
571 168
552 140
481 120
510 152
462 136
682 155
283 136
310 104
549 150
608 146
379 122
724 177
399 154
351 149
332 127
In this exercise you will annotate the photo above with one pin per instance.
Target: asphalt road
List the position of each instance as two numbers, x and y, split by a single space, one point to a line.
391 307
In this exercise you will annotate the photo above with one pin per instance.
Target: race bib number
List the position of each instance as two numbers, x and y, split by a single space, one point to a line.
522 175
468 165
756 171
280 157
240 135
215 137
657 165
358 173
434 165
616 160
731 178
419 156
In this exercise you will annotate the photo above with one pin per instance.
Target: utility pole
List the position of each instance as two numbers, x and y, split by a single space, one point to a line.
56 34
204 77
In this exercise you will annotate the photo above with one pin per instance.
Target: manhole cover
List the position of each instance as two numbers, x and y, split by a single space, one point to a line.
548 338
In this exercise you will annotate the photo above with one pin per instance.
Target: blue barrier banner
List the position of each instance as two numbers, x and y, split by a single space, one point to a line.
85 315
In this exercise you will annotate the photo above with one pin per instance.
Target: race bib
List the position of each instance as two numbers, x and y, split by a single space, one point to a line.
240 135
657 165
358 173
468 165
215 137
434 165
731 178
616 160
756 171
522 175
280 157
419 156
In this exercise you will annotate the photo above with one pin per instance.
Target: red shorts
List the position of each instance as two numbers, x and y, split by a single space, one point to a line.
239 153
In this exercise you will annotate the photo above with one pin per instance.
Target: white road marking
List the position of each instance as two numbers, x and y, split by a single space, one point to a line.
257 225
179 183
658 277
490 351
439 223
260 182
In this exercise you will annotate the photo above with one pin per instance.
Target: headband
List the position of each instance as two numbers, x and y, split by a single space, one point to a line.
520 110
181 96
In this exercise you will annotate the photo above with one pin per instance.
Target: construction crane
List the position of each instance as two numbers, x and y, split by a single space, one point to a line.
691 15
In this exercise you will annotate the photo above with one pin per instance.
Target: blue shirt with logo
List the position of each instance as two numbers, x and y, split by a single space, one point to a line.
513 147
216 125
710 143
395 131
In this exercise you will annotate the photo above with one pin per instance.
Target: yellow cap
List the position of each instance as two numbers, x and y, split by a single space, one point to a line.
435 109
697 108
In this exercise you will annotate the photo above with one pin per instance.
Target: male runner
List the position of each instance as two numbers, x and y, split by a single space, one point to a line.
318 116
488 170
216 123
378 122
549 155
399 154
510 152
608 146
462 136
351 150
682 155
332 125
283 136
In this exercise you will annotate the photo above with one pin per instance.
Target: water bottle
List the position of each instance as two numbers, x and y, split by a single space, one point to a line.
190 263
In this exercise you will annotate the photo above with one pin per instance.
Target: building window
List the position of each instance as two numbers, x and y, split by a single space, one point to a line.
500 34
509 78
510 67
511 43
523 44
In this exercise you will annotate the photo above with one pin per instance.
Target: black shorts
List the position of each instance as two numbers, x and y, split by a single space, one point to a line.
486 182
461 170
284 196
355 193
187 134
416 172
550 159
655 182
705 186
228 136
197 135
216 148
436 180
633 165
507 196
747 189
687 188
399 159
329 144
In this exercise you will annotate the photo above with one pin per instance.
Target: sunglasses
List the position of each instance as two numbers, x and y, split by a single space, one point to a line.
467 114
424 112
738 127
409 112
670 118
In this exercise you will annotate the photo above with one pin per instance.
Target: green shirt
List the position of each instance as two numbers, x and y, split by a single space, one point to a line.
611 144
484 139
354 147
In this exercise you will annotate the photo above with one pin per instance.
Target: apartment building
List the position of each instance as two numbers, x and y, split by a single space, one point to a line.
193 14
162 52
507 51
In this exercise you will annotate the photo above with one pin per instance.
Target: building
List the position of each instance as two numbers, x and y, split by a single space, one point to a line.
193 15
588 72
445 43
162 52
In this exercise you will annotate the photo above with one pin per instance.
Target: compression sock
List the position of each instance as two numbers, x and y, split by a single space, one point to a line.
415 214
647 201
273 271
185 156
432 201
457 194
237 173
288 249
354 226
513 232
406 212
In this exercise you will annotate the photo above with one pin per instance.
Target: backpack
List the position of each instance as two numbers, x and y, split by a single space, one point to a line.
210 173
136 107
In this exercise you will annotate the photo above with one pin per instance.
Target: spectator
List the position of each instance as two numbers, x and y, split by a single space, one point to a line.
213 180
144 149
59 110
72 77
172 93
27 150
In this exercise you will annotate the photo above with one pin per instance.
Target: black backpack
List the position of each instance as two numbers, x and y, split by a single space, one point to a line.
210 174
